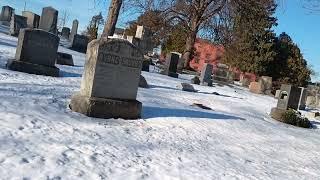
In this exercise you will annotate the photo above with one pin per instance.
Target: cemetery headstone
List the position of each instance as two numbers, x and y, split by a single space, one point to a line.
64 59
49 20
195 80
143 39
171 65
245 82
80 43
289 97
277 95
143 82
65 32
206 75
266 81
6 13
74 29
256 87
36 53
187 87
221 73
146 66
33 19
303 98
17 23
311 101
110 81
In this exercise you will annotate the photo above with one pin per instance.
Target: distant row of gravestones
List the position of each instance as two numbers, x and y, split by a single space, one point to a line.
172 61
47 22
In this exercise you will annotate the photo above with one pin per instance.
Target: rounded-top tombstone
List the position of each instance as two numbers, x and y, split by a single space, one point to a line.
110 81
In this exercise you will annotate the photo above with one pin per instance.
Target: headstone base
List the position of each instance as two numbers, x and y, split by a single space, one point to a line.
106 108
33 68
277 113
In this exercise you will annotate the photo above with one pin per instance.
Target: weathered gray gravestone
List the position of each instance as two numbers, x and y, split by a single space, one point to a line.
64 59
6 14
80 43
49 20
110 81
17 23
172 64
206 75
74 29
32 19
65 32
289 97
36 53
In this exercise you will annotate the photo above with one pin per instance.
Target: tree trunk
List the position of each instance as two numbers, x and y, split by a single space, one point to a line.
189 51
112 18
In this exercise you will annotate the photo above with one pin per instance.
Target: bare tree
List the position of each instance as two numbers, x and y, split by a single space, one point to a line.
192 15
64 19
311 5
111 21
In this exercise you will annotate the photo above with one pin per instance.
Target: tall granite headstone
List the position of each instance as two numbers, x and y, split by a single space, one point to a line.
65 32
303 98
110 81
17 23
206 75
6 14
143 39
49 20
172 64
36 53
74 29
80 43
32 19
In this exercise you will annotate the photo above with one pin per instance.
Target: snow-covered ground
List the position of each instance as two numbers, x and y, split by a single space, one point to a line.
40 138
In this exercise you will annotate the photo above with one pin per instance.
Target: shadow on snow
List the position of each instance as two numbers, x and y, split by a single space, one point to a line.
156 112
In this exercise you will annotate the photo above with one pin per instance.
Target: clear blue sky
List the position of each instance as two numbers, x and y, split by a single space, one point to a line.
299 23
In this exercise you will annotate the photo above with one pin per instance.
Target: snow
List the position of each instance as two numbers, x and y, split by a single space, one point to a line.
41 138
